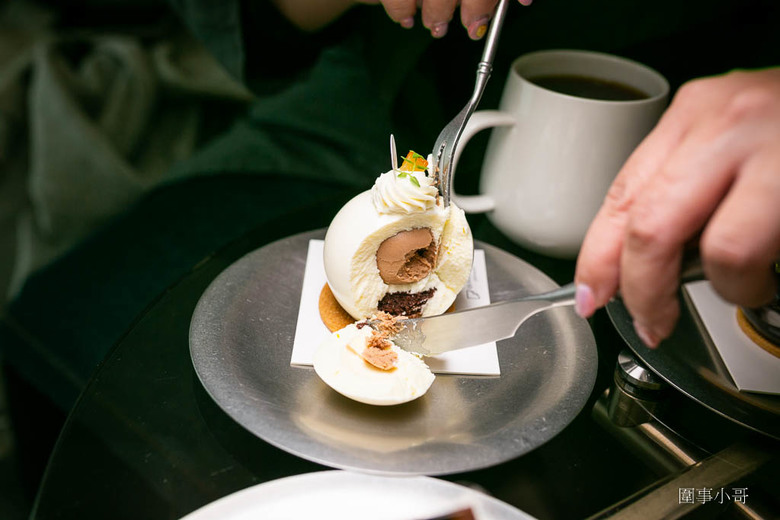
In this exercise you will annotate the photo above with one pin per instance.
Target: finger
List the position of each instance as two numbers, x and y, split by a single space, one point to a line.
670 211
401 11
437 14
598 263
475 16
679 202
742 240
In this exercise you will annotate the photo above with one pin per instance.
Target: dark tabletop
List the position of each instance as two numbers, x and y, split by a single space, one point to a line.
146 441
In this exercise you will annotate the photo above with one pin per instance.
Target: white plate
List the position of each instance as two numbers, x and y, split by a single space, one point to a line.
345 495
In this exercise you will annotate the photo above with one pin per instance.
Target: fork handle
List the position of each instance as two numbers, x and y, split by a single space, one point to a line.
491 42
485 67
484 70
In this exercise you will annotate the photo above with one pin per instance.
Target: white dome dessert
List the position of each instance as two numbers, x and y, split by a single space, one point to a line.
397 249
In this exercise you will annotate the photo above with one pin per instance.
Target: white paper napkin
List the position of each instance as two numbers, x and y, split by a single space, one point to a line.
752 368
310 331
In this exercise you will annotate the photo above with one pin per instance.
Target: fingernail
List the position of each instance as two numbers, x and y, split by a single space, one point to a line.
584 301
438 30
647 337
407 23
478 28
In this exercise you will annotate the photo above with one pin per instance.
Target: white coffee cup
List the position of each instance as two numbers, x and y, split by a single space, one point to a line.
551 156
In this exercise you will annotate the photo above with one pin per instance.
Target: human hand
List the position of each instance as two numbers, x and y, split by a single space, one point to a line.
708 172
437 14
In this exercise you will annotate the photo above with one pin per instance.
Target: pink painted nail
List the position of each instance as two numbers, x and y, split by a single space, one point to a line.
478 28
584 301
647 337
407 23
439 30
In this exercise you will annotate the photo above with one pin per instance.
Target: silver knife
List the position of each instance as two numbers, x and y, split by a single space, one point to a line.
439 334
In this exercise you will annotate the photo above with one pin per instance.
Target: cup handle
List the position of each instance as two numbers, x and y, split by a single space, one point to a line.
480 120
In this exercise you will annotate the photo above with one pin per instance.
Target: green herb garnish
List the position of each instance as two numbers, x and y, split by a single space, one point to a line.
409 176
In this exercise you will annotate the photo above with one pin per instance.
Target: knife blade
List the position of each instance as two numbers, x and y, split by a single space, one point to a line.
436 335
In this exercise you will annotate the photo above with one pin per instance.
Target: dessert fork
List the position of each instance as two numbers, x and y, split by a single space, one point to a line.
444 149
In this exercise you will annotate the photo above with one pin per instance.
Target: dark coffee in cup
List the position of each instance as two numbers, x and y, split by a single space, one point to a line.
589 87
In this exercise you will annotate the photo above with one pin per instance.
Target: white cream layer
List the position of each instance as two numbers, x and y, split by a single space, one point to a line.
338 363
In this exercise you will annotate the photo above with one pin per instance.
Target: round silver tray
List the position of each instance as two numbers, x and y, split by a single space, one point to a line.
241 337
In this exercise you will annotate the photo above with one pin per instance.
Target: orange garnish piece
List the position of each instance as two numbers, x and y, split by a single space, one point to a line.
414 162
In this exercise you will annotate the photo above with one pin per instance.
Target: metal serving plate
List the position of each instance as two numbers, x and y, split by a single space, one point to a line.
241 337
689 362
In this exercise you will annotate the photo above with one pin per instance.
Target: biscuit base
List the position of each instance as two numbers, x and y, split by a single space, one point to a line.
332 313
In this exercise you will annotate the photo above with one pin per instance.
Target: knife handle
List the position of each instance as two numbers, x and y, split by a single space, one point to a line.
563 295
691 270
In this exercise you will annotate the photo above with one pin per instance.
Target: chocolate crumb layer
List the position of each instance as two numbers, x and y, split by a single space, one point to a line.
405 303
386 324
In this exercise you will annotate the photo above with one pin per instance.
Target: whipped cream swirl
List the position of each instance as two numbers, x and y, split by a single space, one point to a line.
404 192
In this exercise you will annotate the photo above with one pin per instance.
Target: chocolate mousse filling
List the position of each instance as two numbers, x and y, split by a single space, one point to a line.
406 257
405 303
